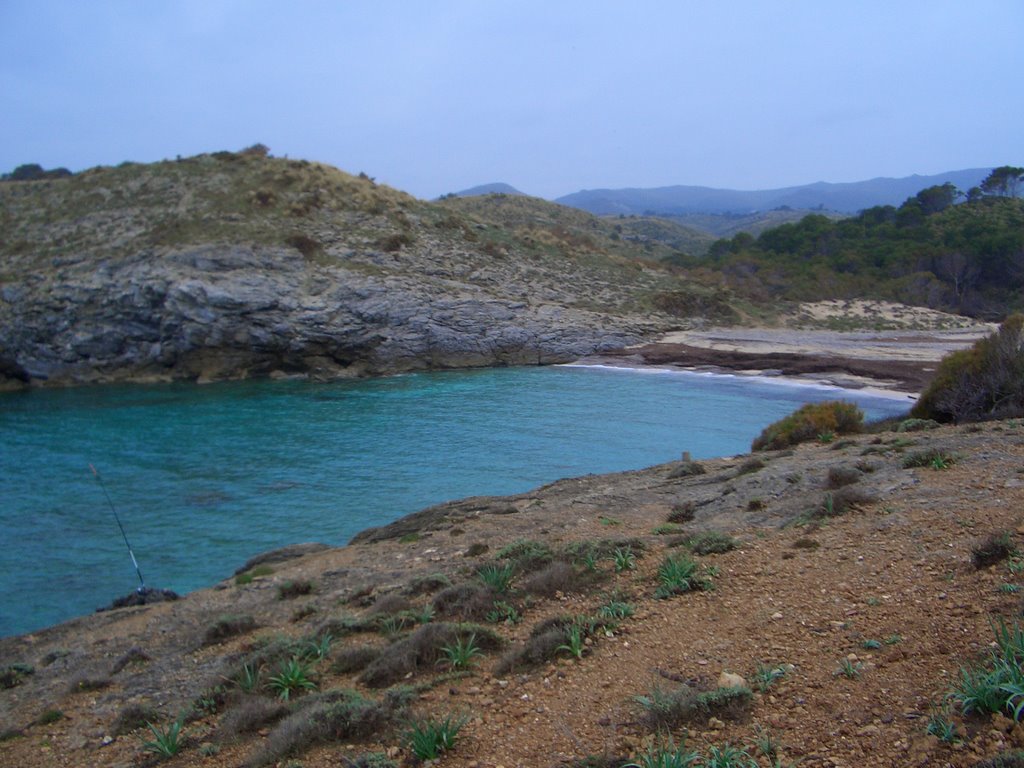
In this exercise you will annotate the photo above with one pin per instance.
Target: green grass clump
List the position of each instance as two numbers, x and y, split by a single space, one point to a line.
679 574
166 741
497 576
997 684
616 610
666 755
49 716
808 422
933 458
728 756
292 678
429 739
766 674
526 555
623 559
253 573
461 653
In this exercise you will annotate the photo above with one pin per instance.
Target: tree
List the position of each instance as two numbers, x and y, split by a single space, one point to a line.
35 172
974 194
937 198
1004 181
958 269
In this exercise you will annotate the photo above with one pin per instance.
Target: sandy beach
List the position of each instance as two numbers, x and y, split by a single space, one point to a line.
902 358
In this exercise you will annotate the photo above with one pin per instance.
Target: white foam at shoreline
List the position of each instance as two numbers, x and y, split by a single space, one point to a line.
788 382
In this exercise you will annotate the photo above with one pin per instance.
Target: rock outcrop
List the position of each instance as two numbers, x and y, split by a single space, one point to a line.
228 311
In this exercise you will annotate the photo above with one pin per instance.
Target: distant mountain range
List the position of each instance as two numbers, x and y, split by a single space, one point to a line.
849 197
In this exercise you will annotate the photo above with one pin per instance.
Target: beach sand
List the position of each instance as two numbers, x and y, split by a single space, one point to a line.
901 358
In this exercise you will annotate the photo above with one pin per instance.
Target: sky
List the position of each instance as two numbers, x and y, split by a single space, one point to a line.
435 96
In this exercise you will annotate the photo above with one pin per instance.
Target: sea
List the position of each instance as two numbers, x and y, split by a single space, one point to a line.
201 477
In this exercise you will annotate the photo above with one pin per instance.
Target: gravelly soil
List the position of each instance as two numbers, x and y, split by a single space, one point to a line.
800 590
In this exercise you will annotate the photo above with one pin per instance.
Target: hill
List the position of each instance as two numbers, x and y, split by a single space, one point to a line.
497 188
848 197
731 224
539 221
240 264
840 586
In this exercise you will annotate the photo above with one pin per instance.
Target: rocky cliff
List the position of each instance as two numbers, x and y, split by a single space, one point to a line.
234 265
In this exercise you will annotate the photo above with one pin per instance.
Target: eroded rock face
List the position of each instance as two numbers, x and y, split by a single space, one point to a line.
230 311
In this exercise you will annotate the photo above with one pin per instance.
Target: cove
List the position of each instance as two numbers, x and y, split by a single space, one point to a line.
204 477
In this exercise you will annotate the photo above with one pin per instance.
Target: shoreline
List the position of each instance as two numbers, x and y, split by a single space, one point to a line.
862 386
897 364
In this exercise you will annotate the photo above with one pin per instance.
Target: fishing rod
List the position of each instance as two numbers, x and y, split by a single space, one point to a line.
96 474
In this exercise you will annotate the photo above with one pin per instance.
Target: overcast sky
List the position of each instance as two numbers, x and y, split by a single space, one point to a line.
434 96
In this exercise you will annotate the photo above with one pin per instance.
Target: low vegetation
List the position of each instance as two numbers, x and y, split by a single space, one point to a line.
665 710
995 684
981 383
808 422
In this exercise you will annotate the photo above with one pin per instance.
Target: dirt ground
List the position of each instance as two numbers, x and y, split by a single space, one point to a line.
886 591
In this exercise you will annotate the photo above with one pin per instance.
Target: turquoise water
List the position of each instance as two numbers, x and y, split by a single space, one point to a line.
203 477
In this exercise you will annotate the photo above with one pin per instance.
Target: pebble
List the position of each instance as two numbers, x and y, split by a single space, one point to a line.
777 615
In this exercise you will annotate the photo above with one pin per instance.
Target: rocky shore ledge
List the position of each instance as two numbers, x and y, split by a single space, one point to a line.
845 583
229 312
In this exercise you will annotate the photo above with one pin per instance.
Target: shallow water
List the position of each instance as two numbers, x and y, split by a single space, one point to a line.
203 477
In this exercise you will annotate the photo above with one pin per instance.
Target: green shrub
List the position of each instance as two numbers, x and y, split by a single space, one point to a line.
666 710
49 716
546 641
227 627
750 466
423 648
983 382
681 513
808 422
556 576
995 548
841 475
355 659
337 715
916 425
710 543
292 589
250 715
15 675
133 717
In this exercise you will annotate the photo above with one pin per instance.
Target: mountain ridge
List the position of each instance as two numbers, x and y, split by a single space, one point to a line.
844 197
